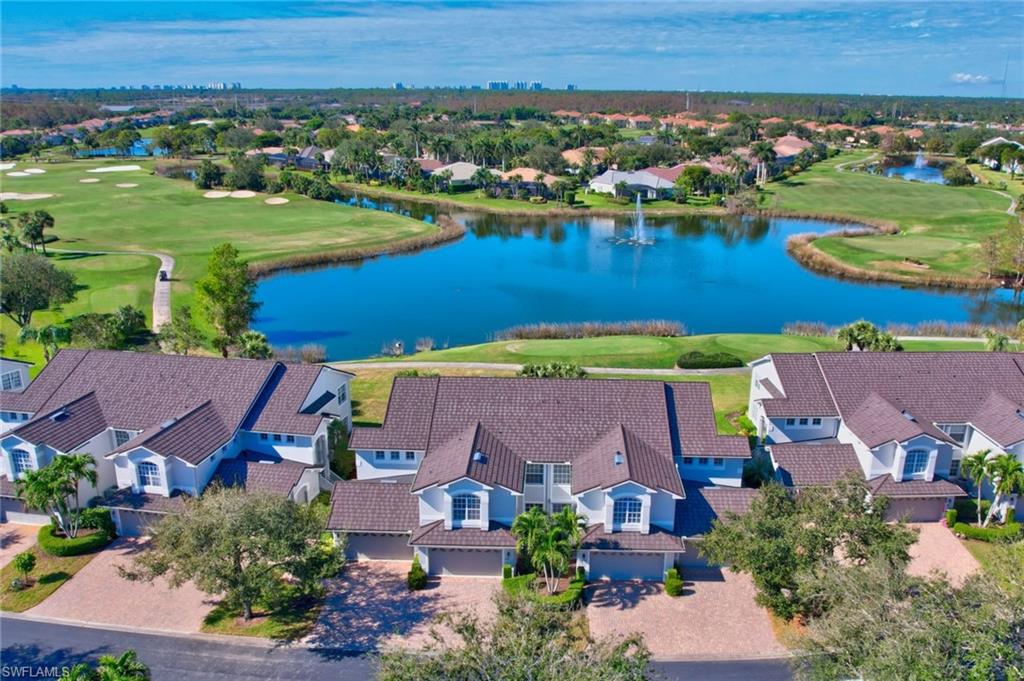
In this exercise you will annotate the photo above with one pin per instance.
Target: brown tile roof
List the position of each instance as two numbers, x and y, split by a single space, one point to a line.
695 419
884 485
474 453
667 174
806 391
407 420
255 475
620 456
702 505
124 498
277 409
1000 419
596 539
373 506
497 536
806 464
66 426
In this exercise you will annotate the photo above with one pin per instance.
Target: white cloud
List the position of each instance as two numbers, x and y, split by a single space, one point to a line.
969 78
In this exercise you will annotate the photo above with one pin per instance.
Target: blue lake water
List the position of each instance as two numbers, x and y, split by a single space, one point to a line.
727 274
142 147
918 173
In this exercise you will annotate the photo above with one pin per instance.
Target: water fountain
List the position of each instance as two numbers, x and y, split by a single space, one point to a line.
637 237
920 161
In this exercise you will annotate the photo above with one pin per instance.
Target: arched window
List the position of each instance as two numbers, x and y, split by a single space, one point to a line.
22 461
465 507
916 462
149 474
626 511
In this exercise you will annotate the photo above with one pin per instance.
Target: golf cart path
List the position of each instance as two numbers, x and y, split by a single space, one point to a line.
501 366
161 289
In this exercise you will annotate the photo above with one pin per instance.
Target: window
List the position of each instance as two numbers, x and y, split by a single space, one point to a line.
341 395
277 437
410 456
378 455
24 417
22 460
289 438
790 422
534 474
917 461
121 436
687 460
626 512
703 461
957 432
395 456
263 437
816 421
561 474
149 474
534 505
954 468
719 461
11 380
557 508
803 422
465 507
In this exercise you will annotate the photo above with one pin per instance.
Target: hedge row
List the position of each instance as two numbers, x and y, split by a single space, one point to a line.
993 533
568 599
64 547
714 360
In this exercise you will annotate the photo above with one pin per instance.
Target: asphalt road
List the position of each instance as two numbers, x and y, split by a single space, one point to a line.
38 650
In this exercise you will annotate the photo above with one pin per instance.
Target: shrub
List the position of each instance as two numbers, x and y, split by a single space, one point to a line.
275 187
714 360
64 547
995 533
538 199
506 571
569 599
1011 516
24 563
951 517
417 578
549 330
569 198
673 583
553 370
807 329
966 509
99 519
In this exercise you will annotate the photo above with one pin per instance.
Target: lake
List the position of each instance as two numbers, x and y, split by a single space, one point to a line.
918 169
713 274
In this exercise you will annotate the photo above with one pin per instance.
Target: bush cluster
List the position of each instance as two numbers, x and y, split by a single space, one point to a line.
549 330
951 517
417 577
523 585
673 582
995 533
315 187
553 370
713 360
98 519
966 509
65 547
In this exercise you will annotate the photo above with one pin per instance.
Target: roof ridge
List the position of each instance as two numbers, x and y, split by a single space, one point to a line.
828 386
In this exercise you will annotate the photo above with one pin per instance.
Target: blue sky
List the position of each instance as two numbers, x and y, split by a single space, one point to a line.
920 48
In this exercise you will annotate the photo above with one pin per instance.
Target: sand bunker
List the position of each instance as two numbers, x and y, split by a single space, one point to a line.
114 169
216 194
7 166
275 201
242 194
18 173
126 185
18 196
34 171
90 180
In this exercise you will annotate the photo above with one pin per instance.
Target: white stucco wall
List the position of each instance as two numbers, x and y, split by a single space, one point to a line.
368 468
729 474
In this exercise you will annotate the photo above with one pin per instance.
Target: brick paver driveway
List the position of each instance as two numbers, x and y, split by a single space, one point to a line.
98 594
370 607
715 618
938 549
15 538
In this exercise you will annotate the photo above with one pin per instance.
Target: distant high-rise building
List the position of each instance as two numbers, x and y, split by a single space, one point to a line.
571 87
236 86
536 85
497 85
520 85
398 85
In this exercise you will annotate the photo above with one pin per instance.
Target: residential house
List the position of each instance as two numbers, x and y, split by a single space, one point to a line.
788 148
458 458
462 173
903 420
161 427
14 378
574 157
991 154
640 121
642 182
536 182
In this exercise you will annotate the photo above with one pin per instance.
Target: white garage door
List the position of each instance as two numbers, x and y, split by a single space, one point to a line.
378 547
916 510
13 511
471 562
136 523
626 565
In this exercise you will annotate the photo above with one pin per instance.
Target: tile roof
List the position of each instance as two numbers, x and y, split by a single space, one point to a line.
277 409
805 388
885 485
702 505
695 419
67 426
620 456
596 539
407 420
475 453
259 475
373 506
1000 419
126 499
806 464
497 536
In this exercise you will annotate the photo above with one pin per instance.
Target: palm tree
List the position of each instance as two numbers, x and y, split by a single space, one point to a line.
995 341
738 165
527 528
125 667
570 524
80 672
54 488
254 345
33 224
483 178
1007 475
765 154
415 130
551 555
975 467
51 337
8 239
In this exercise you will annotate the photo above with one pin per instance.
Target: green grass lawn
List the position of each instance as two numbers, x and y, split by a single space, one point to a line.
649 352
49 574
941 226
994 179
287 622
171 216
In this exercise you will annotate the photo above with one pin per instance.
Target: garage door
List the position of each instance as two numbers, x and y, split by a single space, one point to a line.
916 510
471 562
136 523
625 565
13 511
378 547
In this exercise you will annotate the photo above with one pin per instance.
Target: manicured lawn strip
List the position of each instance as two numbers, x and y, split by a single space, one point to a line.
285 623
995 178
942 226
986 553
49 574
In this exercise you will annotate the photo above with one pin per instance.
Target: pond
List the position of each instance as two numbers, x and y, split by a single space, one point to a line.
713 274
142 147
918 169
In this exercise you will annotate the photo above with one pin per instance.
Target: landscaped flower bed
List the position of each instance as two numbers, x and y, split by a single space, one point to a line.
87 541
532 586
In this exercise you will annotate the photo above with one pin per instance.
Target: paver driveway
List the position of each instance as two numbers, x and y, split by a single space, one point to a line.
938 549
98 594
15 538
370 607
715 618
